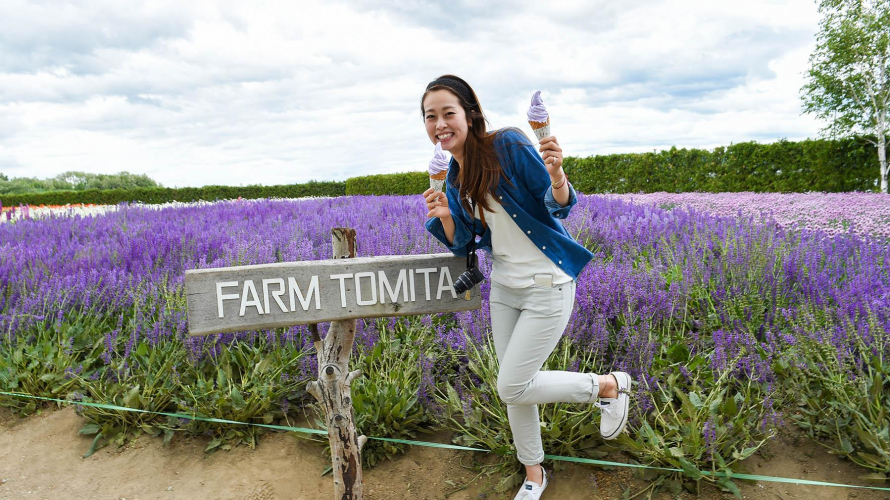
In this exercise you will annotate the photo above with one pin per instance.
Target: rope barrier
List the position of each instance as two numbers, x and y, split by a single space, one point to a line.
591 461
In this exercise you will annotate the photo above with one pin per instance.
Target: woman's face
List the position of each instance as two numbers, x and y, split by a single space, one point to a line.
446 121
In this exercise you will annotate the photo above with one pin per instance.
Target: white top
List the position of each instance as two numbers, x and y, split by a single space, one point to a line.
515 258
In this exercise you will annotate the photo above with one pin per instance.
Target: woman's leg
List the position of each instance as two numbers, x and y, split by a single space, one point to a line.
504 309
521 385
545 314
504 305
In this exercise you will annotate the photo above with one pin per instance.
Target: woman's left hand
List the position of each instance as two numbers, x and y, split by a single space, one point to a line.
552 154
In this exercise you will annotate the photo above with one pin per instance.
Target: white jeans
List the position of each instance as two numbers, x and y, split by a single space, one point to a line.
526 324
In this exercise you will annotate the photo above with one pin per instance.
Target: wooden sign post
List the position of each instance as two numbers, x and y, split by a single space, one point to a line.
243 298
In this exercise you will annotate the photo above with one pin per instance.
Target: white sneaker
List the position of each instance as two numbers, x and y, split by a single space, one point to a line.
615 410
530 489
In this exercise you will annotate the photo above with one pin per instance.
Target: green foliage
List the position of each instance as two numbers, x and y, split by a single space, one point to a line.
245 383
849 76
699 425
402 183
47 363
166 195
812 165
249 381
144 385
76 181
845 396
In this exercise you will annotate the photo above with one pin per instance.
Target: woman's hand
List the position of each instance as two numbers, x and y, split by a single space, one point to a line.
552 154
437 203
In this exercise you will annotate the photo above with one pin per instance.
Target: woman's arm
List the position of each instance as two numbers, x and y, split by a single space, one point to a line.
448 227
527 164
561 193
446 221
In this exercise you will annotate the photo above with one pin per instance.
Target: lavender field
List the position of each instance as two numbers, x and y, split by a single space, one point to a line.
735 313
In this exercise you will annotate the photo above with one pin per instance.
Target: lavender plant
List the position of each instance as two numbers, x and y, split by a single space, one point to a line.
742 293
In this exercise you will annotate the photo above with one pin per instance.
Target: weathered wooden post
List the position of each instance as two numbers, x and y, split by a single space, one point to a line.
339 290
332 389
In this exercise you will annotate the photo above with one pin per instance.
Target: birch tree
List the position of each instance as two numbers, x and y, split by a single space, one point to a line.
848 82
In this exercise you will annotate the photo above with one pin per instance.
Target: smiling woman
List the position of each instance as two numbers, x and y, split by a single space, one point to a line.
534 263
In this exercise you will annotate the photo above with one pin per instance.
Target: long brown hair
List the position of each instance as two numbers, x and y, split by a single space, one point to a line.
481 171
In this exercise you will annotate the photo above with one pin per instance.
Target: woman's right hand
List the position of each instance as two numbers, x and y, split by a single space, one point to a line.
437 204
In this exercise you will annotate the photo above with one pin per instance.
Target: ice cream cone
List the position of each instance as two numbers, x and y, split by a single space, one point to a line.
541 129
437 181
438 168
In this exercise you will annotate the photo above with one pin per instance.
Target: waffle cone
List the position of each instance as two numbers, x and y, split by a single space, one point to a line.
537 125
439 176
541 129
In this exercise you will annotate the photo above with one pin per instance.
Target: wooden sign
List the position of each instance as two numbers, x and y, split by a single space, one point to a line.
231 299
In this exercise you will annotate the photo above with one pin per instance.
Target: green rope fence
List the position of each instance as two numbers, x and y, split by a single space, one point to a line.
734 475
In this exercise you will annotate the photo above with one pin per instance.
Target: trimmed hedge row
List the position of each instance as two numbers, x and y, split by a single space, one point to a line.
166 195
781 167
812 165
401 183
785 167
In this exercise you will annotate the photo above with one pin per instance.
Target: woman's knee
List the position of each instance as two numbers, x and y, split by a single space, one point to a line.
508 391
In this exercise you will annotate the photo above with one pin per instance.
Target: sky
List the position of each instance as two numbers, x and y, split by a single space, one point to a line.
238 93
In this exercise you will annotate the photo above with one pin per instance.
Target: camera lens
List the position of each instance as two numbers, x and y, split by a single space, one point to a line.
468 279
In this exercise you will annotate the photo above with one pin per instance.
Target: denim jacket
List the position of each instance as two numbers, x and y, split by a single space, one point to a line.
529 200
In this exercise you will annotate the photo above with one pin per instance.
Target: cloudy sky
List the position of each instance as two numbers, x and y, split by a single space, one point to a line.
195 93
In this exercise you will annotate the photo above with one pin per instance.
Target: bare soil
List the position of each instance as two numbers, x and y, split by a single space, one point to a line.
40 458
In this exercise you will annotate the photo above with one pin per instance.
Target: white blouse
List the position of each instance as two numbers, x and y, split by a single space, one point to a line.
515 259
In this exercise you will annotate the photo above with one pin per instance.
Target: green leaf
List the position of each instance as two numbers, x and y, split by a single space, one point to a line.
690 470
678 353
237 399
93 446
215 442
875 476
727 485
131 397
695 399
674 486
142 350
90 428
555 431
745 453
846 446
730 409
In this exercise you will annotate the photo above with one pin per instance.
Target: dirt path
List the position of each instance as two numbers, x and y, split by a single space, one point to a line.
40 458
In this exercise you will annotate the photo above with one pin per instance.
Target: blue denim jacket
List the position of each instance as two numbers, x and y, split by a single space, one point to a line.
529 200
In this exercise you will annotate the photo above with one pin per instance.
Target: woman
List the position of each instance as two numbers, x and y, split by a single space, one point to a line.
518 198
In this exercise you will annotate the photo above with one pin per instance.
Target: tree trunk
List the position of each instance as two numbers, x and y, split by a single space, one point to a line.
332 390
882 158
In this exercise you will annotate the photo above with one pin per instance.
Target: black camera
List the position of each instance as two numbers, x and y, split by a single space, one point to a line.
468 279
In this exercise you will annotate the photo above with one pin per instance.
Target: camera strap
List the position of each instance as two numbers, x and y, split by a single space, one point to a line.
471 253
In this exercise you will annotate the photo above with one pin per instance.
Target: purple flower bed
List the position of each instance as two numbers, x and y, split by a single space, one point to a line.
866 214
733 288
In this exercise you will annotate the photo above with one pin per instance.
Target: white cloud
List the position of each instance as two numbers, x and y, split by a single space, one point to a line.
282 92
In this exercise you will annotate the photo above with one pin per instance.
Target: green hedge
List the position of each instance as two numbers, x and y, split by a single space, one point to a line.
811 165
165 195
402 183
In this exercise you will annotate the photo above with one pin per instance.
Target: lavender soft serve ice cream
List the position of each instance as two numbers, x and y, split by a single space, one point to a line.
538 117
438 168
